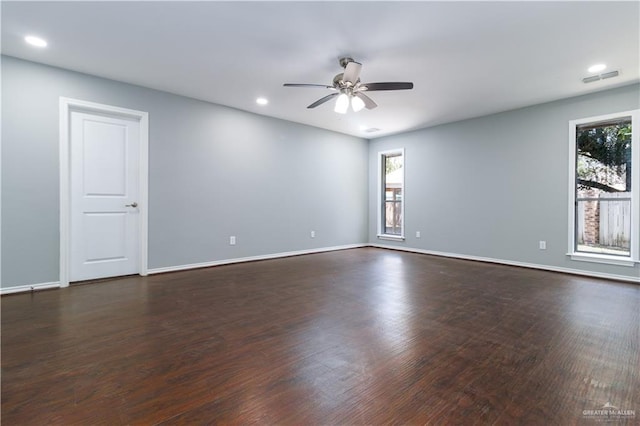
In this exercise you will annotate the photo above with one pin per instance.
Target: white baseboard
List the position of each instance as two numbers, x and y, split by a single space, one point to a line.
513 263
251 258
51 285
31 287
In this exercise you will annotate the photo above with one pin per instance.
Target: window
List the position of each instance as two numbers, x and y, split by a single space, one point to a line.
391 195
605 166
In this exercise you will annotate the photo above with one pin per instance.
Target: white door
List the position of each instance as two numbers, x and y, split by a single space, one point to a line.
105 221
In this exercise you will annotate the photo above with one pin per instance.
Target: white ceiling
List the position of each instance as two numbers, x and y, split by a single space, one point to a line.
466 59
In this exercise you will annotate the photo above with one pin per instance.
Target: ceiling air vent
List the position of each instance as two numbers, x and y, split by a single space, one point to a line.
609 74
371 130
600 76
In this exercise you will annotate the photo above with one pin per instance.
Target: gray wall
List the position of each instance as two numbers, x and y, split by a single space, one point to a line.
214 172
494 186
489 187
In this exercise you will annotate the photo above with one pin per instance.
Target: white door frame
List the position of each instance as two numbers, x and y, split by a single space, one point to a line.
67 105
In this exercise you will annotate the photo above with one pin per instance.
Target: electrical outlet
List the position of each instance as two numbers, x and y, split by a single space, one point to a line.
232 240
313 234
417 234
543 245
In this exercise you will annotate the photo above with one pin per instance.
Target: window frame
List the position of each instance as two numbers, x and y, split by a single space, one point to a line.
381 234
633 257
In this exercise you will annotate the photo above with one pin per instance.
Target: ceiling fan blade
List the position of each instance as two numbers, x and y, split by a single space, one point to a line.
368 102
370 87
352 72
324 86
323 100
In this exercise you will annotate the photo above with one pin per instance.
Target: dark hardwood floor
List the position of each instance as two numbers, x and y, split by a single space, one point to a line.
362 336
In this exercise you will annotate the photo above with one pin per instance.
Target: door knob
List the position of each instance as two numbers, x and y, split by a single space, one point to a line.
134 204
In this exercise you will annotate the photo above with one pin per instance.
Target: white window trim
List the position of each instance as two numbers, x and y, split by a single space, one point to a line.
633 258
380 233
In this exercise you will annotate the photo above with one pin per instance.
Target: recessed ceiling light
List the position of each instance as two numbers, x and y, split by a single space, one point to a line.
597 68
262 101
36 41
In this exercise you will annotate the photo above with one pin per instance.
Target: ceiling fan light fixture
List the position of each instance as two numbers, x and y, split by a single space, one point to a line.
342 104
357 104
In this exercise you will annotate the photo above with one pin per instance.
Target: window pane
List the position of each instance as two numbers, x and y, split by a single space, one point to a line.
603 188
604 225
393 215
603 159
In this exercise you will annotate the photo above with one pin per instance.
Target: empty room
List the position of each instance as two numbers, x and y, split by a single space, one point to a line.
332 213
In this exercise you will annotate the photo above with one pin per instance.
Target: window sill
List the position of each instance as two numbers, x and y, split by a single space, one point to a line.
391 237
599 258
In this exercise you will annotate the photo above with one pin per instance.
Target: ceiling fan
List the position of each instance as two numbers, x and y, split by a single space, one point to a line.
348 89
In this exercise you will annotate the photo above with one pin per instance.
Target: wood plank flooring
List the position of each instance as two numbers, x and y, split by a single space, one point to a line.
362 336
